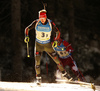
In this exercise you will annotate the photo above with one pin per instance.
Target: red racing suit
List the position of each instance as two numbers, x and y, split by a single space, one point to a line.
64 50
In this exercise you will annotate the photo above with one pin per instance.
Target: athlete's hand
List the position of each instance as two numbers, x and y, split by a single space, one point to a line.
54 44
26 40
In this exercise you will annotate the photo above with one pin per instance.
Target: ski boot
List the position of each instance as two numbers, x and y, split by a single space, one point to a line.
66 76
38 80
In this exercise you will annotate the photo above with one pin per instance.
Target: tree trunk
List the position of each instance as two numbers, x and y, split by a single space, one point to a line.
51 12
71 22
16 37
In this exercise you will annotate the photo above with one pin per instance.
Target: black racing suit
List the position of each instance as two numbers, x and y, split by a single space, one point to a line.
47 47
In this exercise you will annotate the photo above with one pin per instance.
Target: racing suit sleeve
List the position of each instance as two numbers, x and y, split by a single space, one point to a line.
68 46
30 27
56 30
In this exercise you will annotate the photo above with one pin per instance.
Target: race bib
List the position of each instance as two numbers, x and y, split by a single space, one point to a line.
43 32
63 53
43 36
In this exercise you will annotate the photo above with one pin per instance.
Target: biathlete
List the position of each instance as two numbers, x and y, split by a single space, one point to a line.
64 50
45 30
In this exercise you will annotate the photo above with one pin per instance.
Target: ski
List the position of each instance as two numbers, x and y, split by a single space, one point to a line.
85 84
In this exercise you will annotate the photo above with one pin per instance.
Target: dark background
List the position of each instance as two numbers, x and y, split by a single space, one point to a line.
78 22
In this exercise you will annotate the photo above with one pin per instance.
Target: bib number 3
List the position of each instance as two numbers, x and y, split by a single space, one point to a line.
44 35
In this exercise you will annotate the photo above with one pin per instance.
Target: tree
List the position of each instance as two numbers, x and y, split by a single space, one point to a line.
16 41
71 22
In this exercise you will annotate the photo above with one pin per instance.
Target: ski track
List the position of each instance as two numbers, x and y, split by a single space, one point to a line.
20 86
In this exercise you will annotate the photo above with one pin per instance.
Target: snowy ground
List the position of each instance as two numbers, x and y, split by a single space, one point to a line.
15 86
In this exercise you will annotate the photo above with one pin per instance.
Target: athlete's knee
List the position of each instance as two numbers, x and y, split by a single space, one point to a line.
37 53
59 64
37 66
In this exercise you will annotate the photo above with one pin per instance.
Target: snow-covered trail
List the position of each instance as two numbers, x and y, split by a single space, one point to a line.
20 86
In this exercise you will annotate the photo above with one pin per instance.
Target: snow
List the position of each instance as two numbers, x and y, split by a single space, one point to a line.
22 86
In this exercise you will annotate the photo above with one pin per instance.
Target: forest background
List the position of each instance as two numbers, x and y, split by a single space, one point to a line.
78 22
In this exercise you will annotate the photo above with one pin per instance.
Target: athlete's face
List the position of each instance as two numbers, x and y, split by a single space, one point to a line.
43 20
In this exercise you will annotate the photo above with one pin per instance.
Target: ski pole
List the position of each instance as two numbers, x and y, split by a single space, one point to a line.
28 50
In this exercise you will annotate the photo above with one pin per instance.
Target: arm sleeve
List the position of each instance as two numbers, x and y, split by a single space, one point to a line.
68 46
56 30
30 27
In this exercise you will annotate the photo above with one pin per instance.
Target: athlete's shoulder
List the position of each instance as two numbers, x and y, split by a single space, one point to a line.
65 43
35 20
52 23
